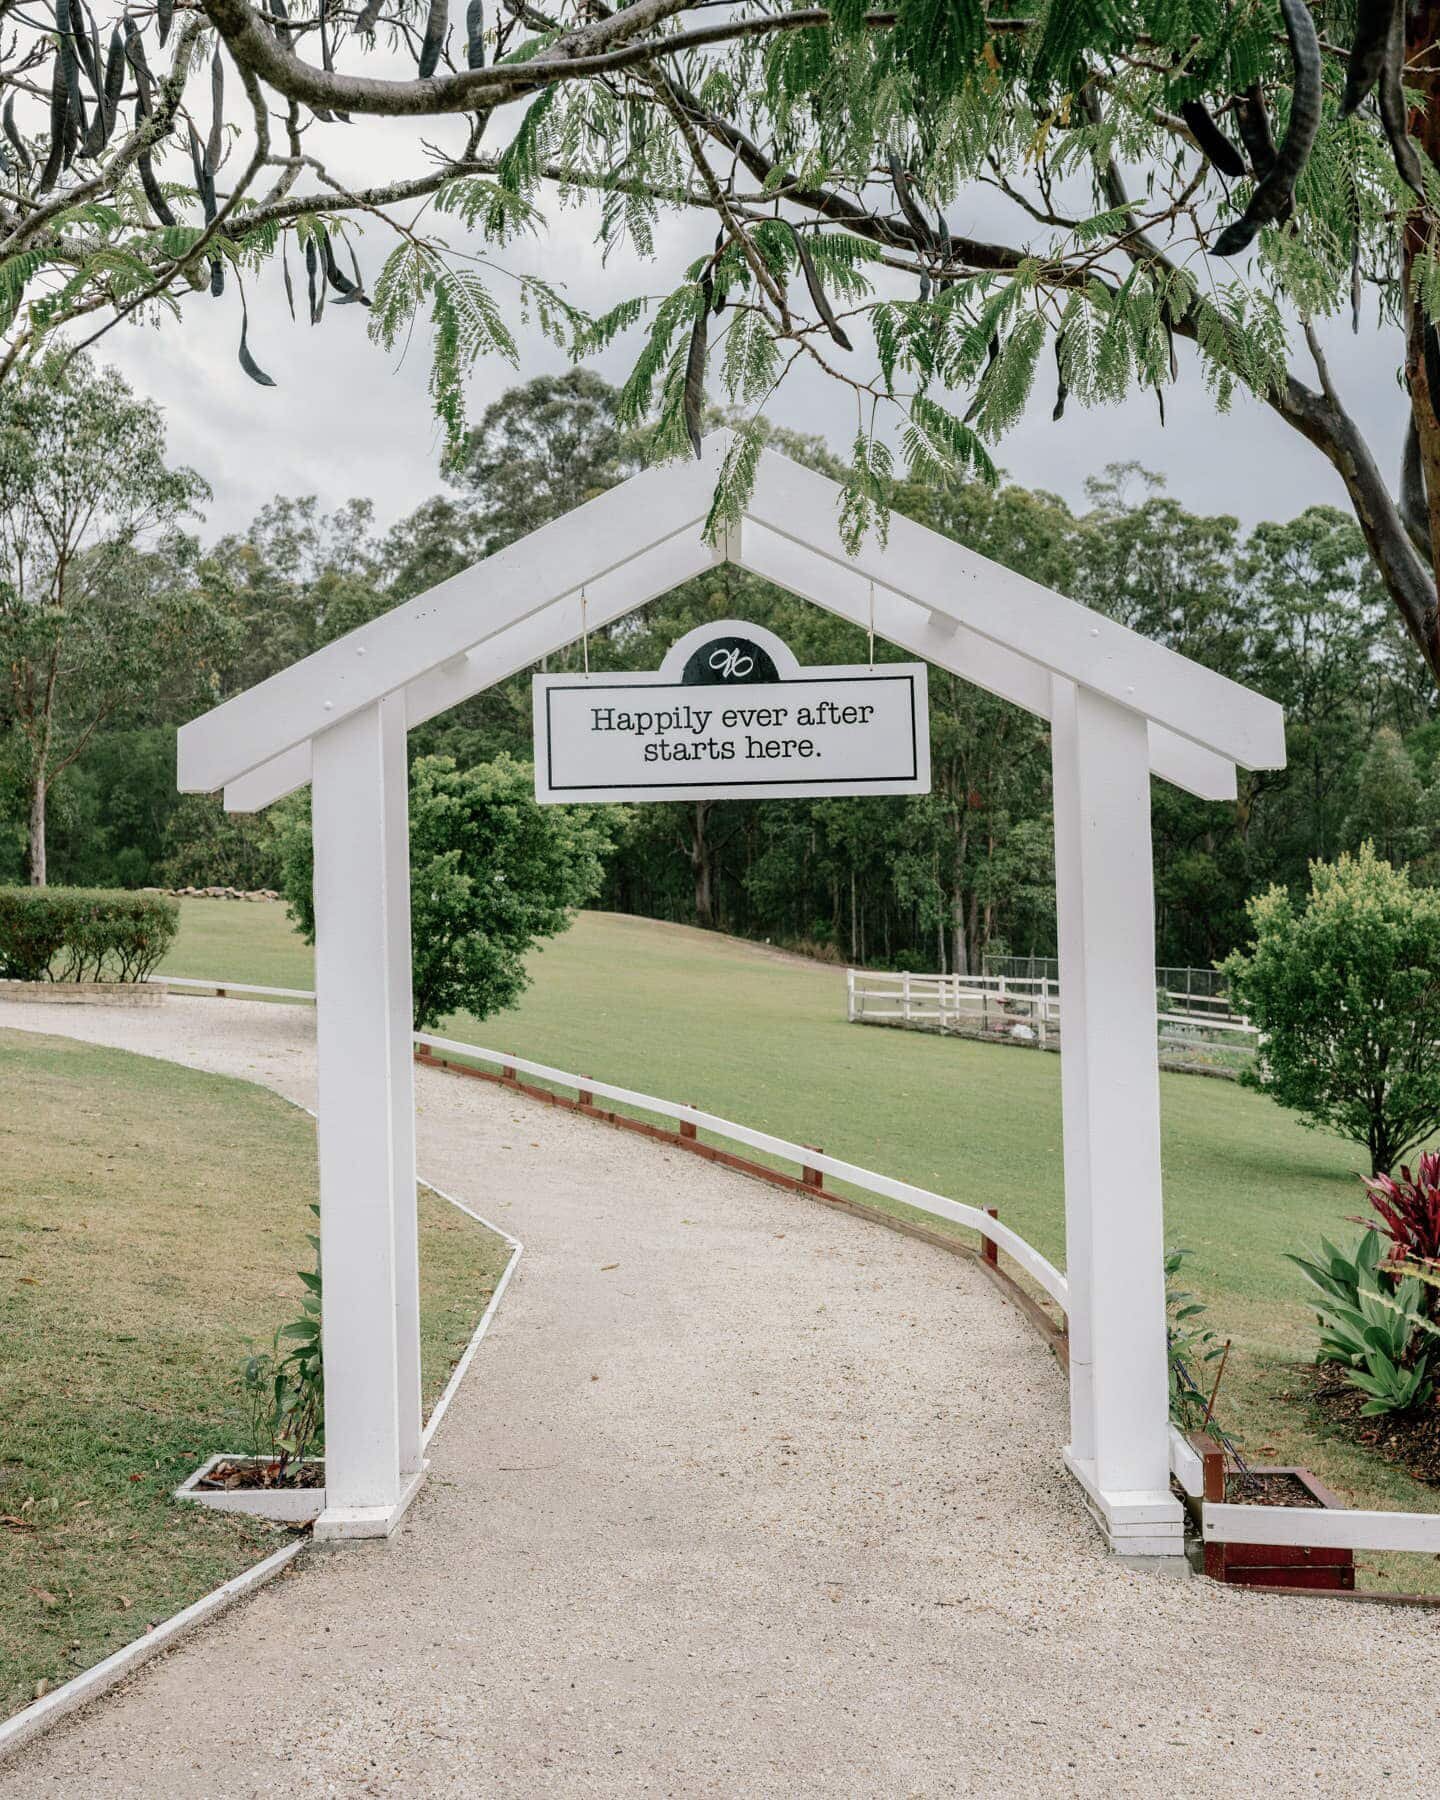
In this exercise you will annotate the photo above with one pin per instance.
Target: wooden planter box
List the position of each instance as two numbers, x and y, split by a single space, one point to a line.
1272 1565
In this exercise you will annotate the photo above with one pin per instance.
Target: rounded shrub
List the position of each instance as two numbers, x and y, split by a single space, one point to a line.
83 934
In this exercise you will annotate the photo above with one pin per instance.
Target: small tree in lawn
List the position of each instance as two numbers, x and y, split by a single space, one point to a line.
1346 993
491 873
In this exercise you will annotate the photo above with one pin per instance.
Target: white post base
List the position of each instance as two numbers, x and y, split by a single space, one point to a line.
343 1524
1146 1523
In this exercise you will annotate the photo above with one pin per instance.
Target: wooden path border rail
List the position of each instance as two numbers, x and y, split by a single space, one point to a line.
814 1165
506 1071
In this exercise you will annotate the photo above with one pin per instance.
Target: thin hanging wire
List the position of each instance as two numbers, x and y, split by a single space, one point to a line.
872 625
584 633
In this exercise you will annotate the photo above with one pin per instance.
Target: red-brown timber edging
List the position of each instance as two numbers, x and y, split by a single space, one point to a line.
810 1182
1286 1567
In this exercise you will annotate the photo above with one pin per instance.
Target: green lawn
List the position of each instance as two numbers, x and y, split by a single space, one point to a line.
151 1221
212 930
763 1039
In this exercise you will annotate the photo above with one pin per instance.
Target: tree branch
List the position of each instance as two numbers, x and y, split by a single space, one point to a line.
600 48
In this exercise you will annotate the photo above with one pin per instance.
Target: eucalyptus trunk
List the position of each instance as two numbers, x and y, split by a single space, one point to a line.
35 849
1422 40
702 865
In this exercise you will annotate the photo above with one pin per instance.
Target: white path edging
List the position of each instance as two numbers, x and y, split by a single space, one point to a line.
458 1373
283 1505
24 1726
41 1714
1039 1268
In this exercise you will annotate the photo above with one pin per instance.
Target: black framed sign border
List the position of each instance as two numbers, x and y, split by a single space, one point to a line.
900 784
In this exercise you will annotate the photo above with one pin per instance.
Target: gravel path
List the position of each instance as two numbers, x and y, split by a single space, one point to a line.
740 1497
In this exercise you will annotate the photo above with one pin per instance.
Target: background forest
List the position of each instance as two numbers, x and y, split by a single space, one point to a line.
1295 609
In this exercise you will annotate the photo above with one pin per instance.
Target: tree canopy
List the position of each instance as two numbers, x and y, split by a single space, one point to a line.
1343 990
943 881
1167 172
98 606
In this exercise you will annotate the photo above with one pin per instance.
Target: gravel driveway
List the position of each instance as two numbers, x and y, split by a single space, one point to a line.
741 1497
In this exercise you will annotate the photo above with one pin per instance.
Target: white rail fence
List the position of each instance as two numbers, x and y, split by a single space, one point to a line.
225 988
1193 1030
1321 1528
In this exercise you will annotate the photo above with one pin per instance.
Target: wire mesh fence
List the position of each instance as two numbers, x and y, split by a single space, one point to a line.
1180 983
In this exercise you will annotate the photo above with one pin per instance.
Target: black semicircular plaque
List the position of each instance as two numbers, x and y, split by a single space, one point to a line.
729 662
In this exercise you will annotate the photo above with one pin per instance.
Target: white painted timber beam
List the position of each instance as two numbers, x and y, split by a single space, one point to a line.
395 804
1064 637
283 774
609 597
1110 1093
364 1088
926 632
425 633
427 640
1323 1528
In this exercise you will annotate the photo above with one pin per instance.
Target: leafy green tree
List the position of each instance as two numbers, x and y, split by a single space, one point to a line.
491 873
1390 807
95 616
939 882
108 819
437 540
1345 990
1286 153
540 451
296 579
204 846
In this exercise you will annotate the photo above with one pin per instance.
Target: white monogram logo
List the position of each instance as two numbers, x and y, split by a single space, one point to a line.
730 665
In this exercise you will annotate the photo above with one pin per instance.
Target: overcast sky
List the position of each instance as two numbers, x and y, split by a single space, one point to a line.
347 420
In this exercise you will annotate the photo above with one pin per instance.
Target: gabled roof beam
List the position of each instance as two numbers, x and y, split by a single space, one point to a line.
609 597
1007 632
412 640
940 640
1020 615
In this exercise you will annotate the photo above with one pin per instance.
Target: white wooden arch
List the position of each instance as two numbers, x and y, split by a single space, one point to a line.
1120 709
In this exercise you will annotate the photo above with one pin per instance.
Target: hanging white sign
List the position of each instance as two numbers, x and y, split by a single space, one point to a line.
731 715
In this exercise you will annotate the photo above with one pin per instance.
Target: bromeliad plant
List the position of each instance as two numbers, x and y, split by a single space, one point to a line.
1371 1321
285 1387
1337 1273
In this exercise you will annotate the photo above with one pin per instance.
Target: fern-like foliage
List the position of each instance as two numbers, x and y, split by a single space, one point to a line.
840 165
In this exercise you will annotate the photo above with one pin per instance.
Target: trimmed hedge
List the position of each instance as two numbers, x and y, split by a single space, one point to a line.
83 934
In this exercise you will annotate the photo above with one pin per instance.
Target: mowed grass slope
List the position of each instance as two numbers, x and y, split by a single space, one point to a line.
762 1038
151 1222
274 953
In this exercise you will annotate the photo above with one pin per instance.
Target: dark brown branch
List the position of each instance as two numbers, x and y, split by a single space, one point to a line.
1321 420
600 48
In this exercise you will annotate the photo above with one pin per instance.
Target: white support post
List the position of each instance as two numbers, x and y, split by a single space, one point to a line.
394 731
1114 1223
366 1130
